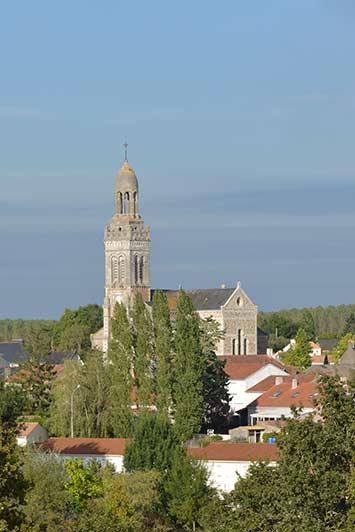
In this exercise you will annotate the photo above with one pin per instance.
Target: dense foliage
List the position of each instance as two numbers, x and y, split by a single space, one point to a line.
318 322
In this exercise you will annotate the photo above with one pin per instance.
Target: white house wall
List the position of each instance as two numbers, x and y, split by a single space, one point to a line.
223 474
237 389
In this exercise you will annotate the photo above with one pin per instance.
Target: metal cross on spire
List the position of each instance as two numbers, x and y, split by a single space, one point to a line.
125 145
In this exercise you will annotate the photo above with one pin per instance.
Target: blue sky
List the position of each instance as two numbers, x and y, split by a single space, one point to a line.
240 119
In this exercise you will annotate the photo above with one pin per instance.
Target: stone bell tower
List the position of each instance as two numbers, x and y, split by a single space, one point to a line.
127 251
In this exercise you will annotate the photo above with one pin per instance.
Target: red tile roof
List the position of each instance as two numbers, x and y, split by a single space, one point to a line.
284 395
239 367
269 382
85 446
235 452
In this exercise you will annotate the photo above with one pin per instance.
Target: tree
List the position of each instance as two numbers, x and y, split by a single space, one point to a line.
187 492
143 352
307 324
82 484
152 446
349 327
299 355
164 371
63 389
310 487
215 380
339 349
72 331
120 354
12 483
86 387
128 503
46 499
189 368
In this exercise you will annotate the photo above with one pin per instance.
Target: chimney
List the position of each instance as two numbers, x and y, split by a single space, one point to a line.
238 284
279 380
294 382
223 285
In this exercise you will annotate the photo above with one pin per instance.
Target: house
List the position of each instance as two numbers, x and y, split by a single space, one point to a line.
317 355
31 433
226 461
277 401
105 450
344 368
244 372
11 354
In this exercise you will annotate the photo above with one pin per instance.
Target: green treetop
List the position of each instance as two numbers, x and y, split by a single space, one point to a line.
299 355
120 354
189 370
143 352
163 354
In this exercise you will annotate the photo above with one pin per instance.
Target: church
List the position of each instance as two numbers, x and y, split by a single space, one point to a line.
127 272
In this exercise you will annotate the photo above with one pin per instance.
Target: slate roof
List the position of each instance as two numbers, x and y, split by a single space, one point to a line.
235 452
328 343
57 357
12 351
209 298
85 446
202 298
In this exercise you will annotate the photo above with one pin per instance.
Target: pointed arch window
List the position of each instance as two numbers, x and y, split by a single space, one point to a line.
122 268
136 269
141 270
114 270
233 346
245 347
239 341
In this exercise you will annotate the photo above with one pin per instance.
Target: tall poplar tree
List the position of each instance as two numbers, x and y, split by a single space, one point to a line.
163 353
143 351
120 354
189 369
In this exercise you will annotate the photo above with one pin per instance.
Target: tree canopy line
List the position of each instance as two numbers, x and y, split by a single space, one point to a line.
310 489
149 364
318 322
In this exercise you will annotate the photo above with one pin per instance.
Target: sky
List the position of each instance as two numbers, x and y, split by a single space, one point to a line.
240 120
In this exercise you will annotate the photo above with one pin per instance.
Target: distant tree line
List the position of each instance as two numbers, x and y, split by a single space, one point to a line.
317 322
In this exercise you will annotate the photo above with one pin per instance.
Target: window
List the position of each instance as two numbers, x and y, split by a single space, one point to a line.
239 341
245 346
121 203
126 203
233 346
136 269
294 395
122 270
135 203
141 270
114 270
276 394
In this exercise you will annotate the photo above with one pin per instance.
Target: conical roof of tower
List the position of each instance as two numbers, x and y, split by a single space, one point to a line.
126 179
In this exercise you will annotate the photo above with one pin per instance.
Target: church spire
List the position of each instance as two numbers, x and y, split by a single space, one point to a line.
125 145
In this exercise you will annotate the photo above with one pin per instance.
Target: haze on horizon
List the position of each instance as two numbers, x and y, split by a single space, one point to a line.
240 119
